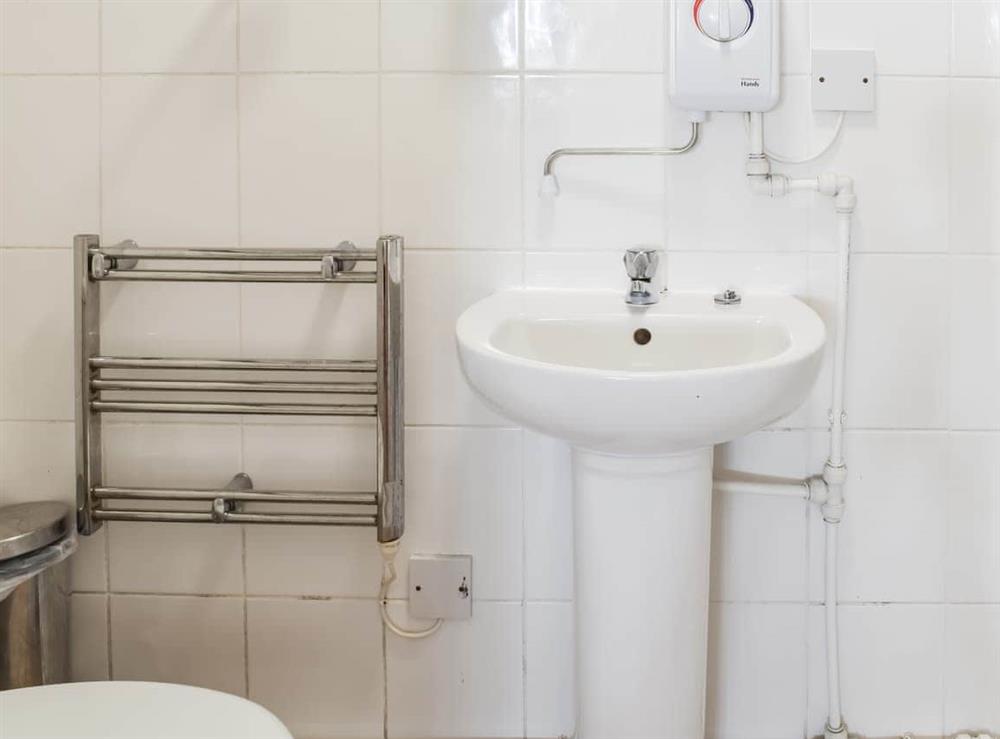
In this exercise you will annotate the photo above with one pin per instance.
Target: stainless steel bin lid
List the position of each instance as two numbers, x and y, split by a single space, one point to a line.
25 527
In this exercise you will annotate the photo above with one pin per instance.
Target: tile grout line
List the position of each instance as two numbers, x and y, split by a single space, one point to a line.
379 154
946 617
3 196
3 149
381 228
399 600
239 328
591 250
810 220
949 368
100 231
525 704
851 604
665 30
951 38
548 73
948 390
521 39
857 431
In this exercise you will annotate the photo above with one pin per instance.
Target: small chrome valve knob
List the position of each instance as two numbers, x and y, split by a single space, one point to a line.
640 266
729 296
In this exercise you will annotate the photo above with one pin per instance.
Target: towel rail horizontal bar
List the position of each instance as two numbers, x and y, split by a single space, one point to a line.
245 496
245 255
275 365
304 519
226 386
175 516
300 519
181 275
262 409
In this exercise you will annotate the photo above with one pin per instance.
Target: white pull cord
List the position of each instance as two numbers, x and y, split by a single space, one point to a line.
782 159
389 550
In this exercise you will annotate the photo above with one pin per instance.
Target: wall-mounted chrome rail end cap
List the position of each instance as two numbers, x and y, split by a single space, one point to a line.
240 481
729 296
221 508
110 257
119 261
333 264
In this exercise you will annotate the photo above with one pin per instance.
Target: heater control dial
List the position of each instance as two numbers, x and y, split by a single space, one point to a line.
723 20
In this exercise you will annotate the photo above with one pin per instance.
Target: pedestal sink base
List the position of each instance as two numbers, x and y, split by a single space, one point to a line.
642 547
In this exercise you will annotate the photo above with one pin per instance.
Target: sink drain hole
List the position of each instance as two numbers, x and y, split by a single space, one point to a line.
642 336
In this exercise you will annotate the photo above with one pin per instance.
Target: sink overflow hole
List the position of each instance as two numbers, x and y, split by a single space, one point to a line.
642 336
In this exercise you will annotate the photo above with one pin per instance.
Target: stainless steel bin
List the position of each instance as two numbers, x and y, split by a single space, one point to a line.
35 540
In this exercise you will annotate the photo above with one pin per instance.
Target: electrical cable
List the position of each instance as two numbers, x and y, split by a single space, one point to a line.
389 550
782 159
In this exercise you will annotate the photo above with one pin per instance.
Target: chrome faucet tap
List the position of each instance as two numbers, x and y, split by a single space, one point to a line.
641 265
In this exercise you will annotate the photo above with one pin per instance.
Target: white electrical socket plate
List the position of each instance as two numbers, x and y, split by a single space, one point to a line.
843 73
441 586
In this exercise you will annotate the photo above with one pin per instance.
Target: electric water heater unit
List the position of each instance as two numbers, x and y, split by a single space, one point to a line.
724 55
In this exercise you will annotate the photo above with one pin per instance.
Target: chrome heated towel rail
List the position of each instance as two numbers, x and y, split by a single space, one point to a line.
332 387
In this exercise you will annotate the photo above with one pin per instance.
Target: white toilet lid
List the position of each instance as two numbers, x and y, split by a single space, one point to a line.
132 710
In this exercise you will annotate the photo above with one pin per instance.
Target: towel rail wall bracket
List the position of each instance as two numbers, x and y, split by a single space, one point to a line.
372 388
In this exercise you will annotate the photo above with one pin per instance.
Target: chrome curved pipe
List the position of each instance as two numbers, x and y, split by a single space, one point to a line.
551 159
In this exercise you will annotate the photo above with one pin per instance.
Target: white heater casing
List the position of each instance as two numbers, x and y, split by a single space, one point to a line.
741 75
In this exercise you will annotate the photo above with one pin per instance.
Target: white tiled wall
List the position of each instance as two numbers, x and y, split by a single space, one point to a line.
304 122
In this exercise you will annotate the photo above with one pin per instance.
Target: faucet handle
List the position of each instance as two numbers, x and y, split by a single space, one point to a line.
641 264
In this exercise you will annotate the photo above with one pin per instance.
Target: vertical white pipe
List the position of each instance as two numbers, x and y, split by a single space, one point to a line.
835 720
835 472
840 342
756 135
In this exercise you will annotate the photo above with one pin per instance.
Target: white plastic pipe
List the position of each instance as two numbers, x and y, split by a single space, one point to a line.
840 340
783 488
756 135
841 189
834 717
835 472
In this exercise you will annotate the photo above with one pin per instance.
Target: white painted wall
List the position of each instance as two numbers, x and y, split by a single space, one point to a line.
216 123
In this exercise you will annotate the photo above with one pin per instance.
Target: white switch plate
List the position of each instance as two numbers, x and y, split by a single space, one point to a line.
843 79
441 586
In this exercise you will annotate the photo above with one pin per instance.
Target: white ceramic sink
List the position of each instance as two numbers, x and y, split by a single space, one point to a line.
642 394
570 364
